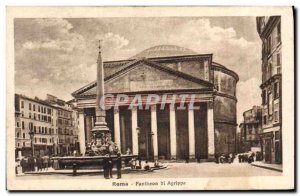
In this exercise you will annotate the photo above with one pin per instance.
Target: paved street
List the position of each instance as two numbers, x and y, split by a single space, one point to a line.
179 170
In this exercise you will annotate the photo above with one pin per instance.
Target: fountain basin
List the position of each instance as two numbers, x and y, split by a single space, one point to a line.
86 162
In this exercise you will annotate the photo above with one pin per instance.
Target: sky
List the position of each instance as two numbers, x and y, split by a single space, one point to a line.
58 55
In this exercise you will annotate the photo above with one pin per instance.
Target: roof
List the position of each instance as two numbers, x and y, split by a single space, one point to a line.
163 51
44 102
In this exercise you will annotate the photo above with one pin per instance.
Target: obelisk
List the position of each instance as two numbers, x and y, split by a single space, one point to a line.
100 127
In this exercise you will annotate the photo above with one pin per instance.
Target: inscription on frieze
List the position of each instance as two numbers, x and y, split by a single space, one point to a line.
150 85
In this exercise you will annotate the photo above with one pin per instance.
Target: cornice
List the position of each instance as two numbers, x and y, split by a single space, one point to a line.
226 95
270 80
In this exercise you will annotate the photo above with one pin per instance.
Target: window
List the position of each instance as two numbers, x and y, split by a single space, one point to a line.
45 130
34 129
29 106
42 129
265 119
24 144
276 90
39 129
269 45
35 140
250 130
22 114
18 124
18 135
279 32
270 104
39 109
22 104
39 117
278 59
44 140
18 144
276 116
34 117
264 97
33 107
24 135
23 125
277 135
269 70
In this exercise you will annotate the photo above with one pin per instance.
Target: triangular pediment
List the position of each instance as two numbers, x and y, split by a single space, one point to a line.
144 75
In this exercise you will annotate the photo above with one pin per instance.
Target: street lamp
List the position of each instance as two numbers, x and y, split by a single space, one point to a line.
31 134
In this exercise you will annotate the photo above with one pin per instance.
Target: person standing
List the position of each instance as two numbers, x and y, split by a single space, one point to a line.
31 163
105 168
39 162
23 165
110 167
119 166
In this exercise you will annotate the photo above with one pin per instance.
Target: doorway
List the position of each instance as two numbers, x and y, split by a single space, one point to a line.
182 134
163 133
145 136
268 151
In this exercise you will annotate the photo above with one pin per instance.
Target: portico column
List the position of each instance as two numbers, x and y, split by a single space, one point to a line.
191 134
135 141
117 133
173 141
210 130
154 131
81 133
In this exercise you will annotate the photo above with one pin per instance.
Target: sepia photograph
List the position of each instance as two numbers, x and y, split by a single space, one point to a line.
150 98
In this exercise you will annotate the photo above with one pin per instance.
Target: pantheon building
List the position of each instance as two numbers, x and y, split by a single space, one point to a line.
167 133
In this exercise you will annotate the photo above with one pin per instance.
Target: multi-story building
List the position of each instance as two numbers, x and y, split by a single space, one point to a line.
18 130
269 30
66 128
37 116
44 118
251 128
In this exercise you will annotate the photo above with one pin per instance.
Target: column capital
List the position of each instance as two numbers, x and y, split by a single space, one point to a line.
153 107
134 108
210 105
80 110
116 110
172 108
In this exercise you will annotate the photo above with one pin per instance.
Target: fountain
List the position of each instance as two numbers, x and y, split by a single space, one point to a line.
101 146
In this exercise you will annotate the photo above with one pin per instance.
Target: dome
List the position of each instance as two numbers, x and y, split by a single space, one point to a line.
163 51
